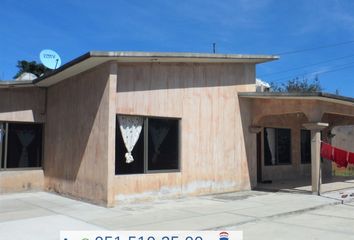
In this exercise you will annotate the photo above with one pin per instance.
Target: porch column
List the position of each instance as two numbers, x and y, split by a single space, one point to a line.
315 128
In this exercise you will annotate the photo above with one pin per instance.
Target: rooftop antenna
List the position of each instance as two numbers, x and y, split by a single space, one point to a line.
50 58
214 47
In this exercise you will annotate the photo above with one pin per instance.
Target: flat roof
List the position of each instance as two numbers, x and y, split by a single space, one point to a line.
95 58
329 97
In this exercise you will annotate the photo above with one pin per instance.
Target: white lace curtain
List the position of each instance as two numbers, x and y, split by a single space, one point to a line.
26 138
2 132
271 142
130 127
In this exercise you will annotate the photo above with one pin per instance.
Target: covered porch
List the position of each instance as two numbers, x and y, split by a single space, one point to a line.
289 128
303 185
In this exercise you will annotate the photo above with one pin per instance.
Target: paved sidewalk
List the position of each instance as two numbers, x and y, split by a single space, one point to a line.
330 222
262 215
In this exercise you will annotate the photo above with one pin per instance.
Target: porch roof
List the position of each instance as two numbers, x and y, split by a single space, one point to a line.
322 96
317 107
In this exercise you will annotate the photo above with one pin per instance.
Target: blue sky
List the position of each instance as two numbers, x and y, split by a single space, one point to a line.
74 27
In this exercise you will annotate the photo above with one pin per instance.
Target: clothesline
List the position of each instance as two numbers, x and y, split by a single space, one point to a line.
340 156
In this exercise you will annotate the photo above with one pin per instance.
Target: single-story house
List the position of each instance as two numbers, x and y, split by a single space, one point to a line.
119 126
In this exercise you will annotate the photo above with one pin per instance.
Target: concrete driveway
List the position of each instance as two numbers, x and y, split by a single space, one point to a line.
261 215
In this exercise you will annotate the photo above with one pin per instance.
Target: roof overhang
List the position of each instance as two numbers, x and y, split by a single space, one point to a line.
321 96
95 58
16 83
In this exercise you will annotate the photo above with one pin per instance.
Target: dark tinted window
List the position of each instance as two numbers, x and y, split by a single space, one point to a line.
277 146
163 144
305 146
24 147
283 143
156 149
2 144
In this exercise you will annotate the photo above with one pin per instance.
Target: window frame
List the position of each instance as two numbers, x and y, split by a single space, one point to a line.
277 163
145 133
3 158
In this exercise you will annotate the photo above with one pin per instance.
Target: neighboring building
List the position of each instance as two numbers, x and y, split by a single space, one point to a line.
343 136
117 126
262 86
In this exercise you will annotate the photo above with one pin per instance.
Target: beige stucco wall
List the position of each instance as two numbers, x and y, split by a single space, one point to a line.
21 180
22 105
214 127
77 136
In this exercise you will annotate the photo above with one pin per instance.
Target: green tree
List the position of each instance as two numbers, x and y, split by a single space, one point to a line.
31 67
297 86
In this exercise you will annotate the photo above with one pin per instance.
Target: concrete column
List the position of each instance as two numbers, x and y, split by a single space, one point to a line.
315 154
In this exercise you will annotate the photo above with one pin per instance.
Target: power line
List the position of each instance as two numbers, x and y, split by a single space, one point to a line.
306 66
314 48
335 69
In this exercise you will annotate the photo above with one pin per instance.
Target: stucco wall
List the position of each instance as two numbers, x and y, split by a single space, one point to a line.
213 129
22 104
76 136
21 180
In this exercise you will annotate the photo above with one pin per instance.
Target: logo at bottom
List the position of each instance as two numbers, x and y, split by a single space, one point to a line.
224 236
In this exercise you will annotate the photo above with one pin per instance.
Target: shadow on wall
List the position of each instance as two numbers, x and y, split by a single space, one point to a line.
75 130
23 99
250 143
157 76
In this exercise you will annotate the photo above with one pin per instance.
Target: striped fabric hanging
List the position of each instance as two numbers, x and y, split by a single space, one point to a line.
327 151
351 158
340 156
